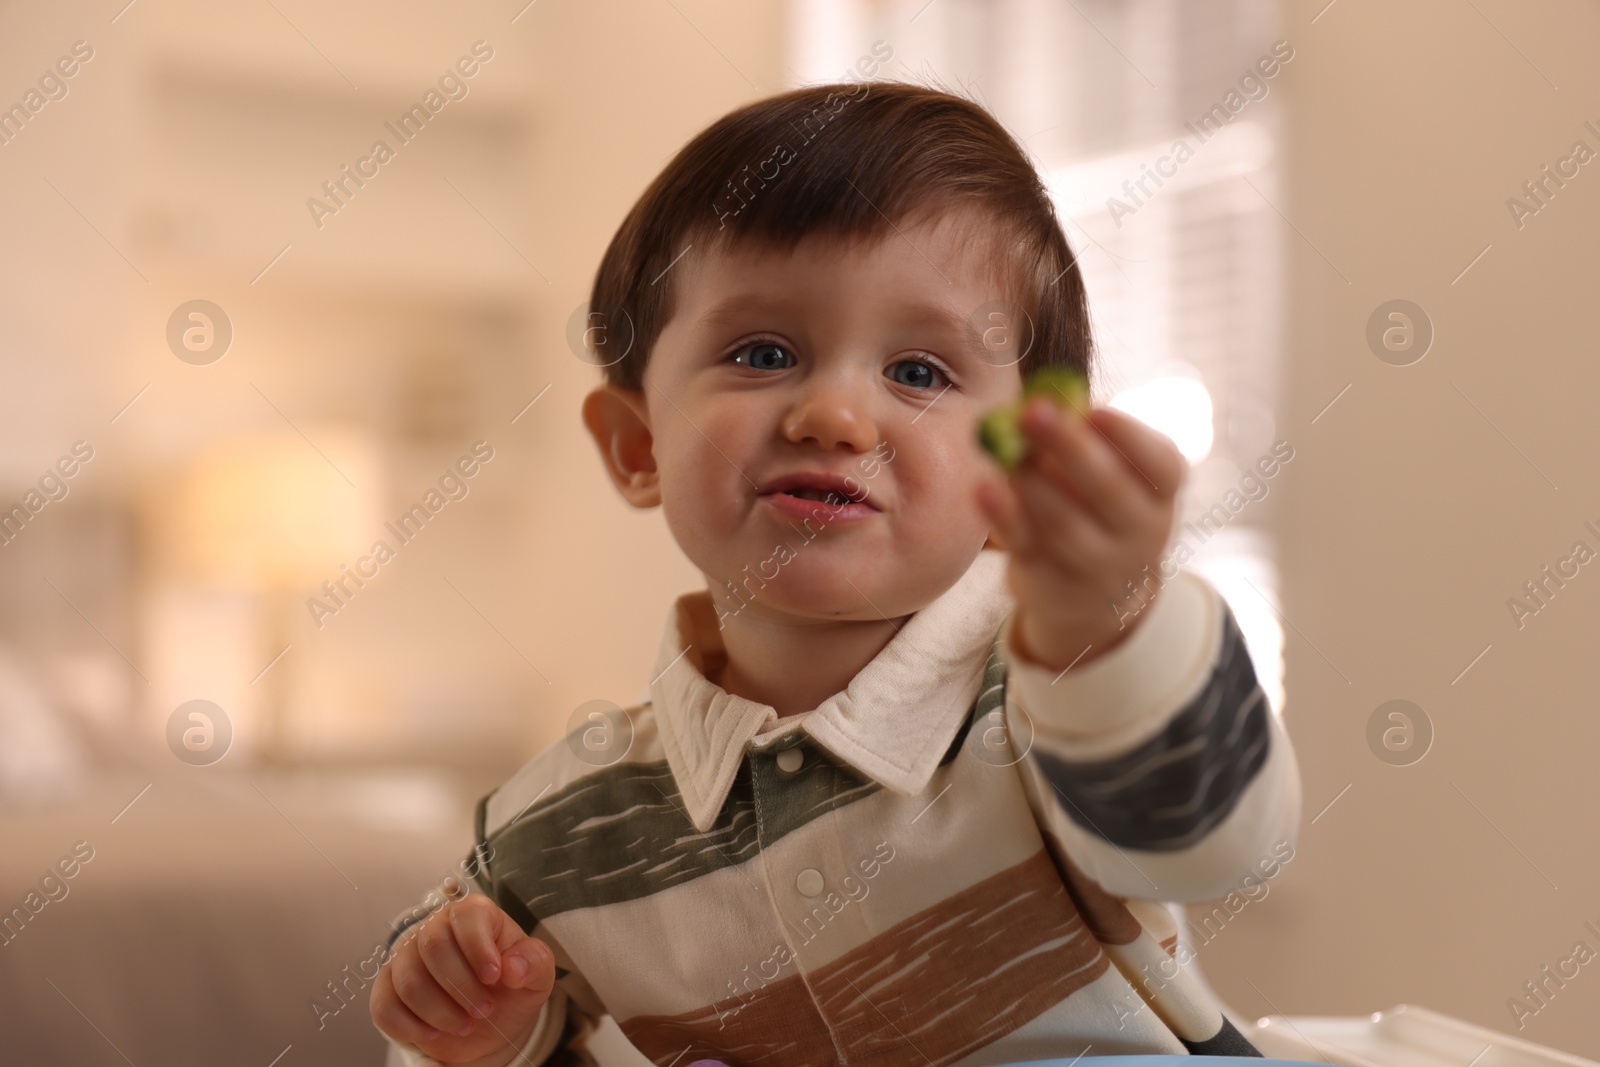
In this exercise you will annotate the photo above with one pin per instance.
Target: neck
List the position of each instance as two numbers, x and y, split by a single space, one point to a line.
794 668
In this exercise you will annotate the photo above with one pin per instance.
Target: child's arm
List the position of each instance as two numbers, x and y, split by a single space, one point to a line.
1159 767
1151 753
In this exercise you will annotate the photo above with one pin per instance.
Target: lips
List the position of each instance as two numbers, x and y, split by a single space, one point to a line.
820 487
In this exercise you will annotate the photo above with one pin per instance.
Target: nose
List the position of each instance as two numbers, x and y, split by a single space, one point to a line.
830 414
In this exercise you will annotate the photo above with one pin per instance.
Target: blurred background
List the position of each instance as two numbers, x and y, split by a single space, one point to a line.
241 345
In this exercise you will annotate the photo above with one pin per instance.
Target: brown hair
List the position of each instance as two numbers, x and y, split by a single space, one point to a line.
855 161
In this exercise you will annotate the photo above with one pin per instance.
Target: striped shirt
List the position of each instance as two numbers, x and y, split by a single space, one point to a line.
960 859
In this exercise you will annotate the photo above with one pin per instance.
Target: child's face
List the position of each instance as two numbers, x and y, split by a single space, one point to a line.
834 375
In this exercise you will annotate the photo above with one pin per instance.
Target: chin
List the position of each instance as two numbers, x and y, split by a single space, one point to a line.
812 588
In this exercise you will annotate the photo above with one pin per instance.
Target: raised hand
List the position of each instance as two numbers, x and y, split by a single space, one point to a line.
1087 510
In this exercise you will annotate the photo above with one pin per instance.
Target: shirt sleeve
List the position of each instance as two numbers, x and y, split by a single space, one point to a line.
1158 766
565 1021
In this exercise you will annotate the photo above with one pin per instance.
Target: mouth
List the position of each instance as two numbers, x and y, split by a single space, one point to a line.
826 496
808 494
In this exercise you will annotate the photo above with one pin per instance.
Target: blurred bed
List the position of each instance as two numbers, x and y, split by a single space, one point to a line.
158 913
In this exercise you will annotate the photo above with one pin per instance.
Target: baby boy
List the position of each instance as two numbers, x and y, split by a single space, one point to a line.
921 762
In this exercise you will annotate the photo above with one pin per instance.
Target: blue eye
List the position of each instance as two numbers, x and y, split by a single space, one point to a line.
762 355
923 376
771 356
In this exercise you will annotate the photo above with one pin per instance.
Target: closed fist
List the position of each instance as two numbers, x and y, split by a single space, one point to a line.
464 985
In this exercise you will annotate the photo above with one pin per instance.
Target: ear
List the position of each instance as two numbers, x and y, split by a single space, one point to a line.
620 423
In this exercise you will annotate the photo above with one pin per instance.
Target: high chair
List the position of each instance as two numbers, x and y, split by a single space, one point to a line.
1402 1036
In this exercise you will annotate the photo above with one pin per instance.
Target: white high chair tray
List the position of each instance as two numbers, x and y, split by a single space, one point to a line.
1403 1036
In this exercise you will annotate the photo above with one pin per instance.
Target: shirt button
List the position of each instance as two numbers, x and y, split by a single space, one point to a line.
810 882
789 760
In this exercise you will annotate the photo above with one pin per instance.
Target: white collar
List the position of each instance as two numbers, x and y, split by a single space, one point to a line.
892 723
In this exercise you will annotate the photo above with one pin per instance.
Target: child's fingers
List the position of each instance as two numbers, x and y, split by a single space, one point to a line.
419 991
1061 527
391 1015
480 930
529 964
436 944
1000 506
1069 449
1149 451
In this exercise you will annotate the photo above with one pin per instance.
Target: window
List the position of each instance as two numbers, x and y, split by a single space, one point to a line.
1154 125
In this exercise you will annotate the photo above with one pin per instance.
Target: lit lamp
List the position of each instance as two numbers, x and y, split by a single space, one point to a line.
275 515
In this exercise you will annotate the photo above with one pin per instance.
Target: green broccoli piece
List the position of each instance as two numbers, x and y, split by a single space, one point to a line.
1001 436
999 432
1067 386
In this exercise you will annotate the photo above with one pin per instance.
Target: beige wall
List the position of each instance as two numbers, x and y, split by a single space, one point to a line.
1412 518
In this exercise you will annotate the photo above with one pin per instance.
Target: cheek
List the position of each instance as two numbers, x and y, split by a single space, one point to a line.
704 464
936 481
939 529
936 467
